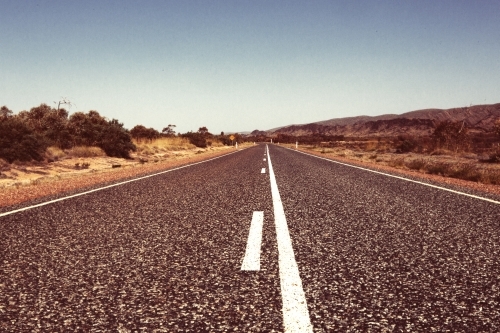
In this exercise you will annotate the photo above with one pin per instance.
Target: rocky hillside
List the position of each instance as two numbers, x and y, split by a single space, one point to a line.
478 118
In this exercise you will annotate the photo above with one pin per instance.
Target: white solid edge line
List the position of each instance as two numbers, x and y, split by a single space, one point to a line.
263 170
295 312
251 260
402 178
108 186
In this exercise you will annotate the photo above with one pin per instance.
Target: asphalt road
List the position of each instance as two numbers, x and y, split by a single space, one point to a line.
164 254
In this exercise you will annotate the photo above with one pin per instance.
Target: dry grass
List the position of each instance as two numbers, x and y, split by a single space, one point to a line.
163 145
214 143
84 151
397 162
418 164
440 162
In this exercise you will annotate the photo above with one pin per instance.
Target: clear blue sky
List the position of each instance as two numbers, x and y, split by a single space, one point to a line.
245 65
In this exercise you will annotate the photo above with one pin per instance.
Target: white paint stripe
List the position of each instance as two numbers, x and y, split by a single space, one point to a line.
295 312
402 178
108 186
264 160
251 261
263 170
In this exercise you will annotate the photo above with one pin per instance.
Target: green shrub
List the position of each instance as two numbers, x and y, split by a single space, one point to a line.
18 142
92 129
115 140
198 140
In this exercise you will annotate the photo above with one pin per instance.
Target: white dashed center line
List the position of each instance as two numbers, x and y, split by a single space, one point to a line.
251 261
263 170
295 312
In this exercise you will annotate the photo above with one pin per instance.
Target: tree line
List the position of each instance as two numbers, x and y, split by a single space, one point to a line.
25 136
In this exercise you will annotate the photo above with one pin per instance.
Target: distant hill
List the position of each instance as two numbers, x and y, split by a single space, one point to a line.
241 133
478 118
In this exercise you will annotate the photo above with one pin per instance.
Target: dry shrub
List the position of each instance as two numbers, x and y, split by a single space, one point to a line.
146 150
491 177
494 157
396 162
372 145
54 154
466 171
85 151
441 152
217 143
406 145
326 151
417 164
438 168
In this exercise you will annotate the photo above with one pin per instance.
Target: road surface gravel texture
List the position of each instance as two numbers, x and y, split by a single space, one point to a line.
163 254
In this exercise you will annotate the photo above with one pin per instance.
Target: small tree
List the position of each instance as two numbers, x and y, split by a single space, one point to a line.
5 112
140 132
115 140
204 131
64 101
168 131
86 128
199 139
